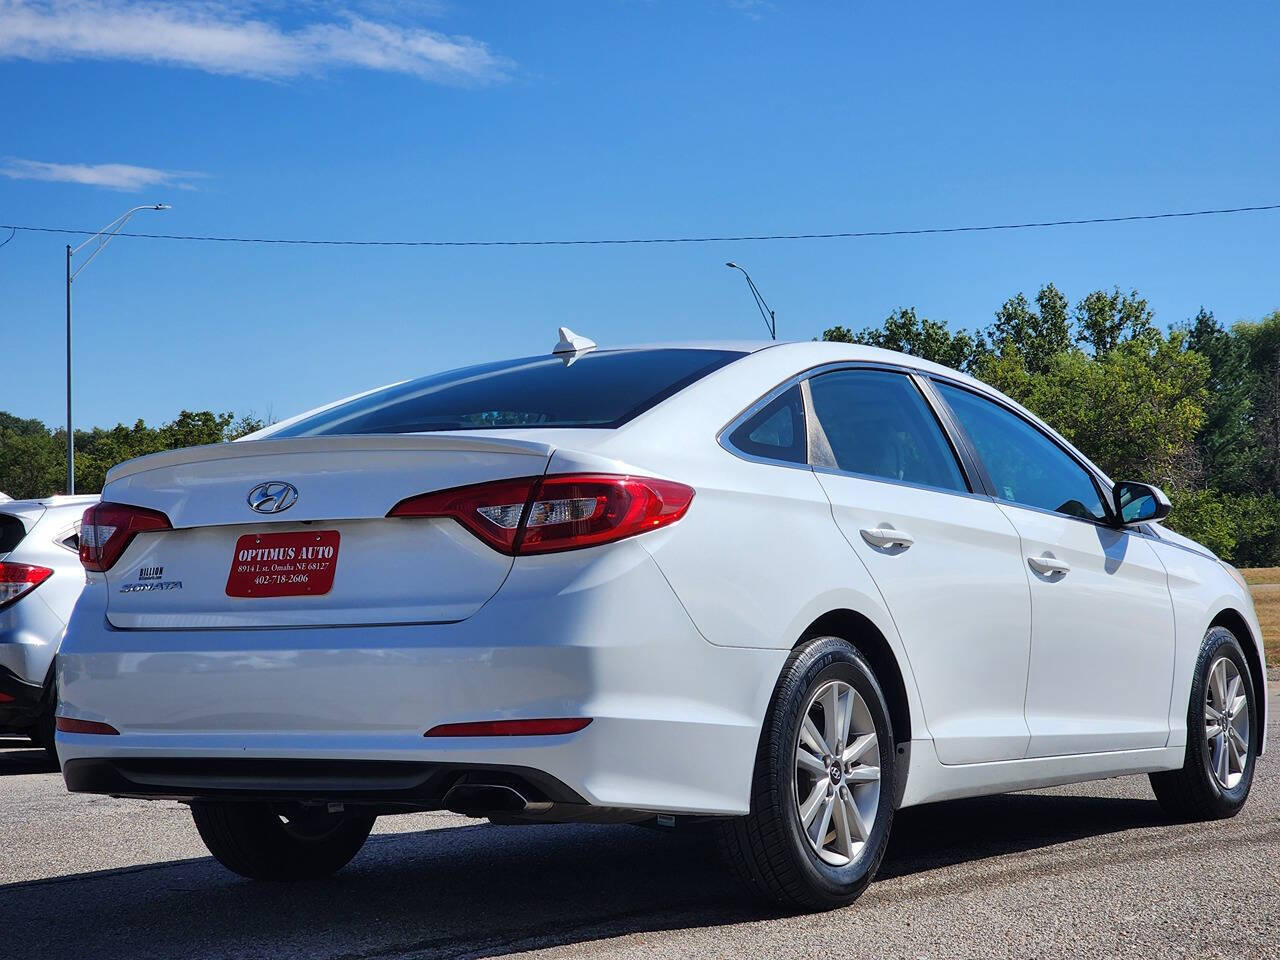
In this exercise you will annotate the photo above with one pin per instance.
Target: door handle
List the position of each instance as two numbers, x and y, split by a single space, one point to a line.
887 537
1049 565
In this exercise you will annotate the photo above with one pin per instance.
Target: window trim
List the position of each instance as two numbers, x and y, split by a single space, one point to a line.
66 534
913 379
957 442
725 436
971 466
1093 473
755 407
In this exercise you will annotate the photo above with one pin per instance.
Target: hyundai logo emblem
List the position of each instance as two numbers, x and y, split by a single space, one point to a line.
274 496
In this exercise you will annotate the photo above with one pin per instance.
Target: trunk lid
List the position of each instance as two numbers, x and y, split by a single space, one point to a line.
331 556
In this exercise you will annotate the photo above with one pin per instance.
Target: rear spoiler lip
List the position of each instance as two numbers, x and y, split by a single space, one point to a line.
371 442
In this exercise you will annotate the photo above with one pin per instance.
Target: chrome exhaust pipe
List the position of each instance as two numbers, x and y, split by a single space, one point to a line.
483 799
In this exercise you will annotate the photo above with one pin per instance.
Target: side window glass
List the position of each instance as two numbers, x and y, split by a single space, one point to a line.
877 424
1024 464
775 432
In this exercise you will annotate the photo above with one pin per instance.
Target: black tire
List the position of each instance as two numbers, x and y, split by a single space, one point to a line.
1193 792
265 841
768 849
45 731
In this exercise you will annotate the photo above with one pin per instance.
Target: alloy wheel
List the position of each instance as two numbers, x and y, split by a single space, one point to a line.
1226 723
836 779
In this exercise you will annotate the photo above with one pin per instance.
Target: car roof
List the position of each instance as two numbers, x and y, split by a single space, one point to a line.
808 353
59 500
799 356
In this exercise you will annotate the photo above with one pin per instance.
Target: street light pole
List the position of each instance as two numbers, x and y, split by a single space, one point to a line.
71 442
103 237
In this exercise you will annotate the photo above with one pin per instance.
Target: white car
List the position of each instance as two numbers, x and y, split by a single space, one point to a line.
787 589
40 579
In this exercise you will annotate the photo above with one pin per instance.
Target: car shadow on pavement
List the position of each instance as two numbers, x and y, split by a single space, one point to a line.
20 757
483 890
963 831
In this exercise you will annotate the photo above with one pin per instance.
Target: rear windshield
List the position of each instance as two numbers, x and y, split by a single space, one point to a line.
599 389
11 532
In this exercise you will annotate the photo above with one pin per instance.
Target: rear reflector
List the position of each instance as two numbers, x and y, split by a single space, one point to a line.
19 579
72 725
5 698
510 728
554 513
108 528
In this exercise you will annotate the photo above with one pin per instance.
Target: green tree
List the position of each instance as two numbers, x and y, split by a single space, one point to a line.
245 425
922 337
33 458
1037 335
1135 411
1261 342
1206 517
1226 448
32 464
1105 320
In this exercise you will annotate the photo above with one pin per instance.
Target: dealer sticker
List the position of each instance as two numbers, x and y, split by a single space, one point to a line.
283 564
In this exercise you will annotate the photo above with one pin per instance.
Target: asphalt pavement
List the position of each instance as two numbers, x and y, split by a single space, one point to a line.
1093 870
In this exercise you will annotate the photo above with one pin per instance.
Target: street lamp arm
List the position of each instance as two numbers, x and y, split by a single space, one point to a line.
766 312
109 232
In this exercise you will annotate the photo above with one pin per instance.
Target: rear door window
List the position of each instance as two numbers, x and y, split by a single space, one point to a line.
877 424
598 389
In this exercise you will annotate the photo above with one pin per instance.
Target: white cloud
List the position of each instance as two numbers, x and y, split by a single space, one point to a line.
117 176
238 38
754 9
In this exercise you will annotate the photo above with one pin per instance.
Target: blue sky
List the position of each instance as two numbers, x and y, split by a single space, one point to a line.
461 121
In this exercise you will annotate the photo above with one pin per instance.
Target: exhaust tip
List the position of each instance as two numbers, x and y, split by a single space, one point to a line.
482 799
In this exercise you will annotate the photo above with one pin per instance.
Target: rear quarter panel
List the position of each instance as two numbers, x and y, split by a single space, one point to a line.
758 557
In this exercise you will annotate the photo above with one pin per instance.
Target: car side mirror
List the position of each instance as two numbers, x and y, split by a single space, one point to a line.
1139 502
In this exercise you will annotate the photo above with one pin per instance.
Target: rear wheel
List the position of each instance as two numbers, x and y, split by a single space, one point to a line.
285 841
1222 727
822 795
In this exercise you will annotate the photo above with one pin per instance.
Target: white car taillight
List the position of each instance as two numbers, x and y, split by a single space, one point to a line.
108 528
19 579
550 514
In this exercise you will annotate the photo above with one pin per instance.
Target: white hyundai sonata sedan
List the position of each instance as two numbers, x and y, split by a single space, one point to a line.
783 590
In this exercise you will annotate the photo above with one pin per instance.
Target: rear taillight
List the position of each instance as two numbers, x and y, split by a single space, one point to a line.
549 514
108 528
19 579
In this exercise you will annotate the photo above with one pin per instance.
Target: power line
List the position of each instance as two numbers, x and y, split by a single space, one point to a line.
847 235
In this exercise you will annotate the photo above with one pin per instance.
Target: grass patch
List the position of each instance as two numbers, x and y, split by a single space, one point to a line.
1261 575
1266 602
1267 606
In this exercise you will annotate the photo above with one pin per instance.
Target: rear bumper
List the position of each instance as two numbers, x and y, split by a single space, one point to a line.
385 783
597 633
